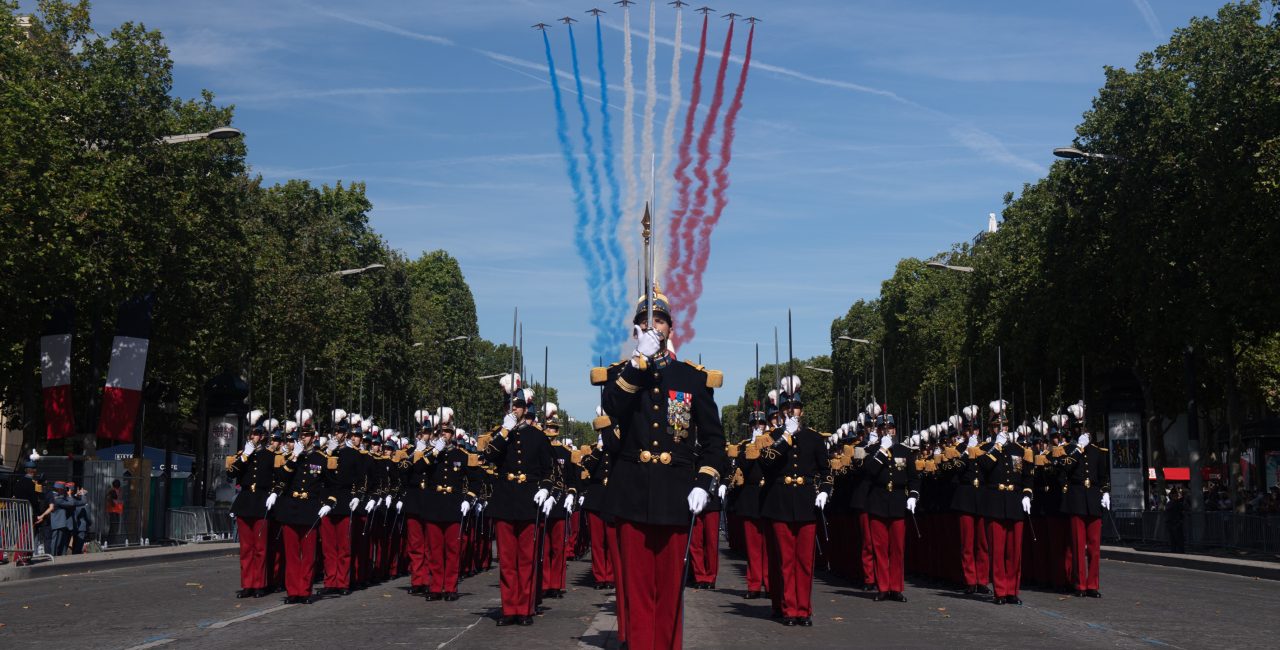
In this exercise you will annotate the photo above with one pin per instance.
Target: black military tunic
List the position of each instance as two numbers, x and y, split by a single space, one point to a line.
417 485
671 440
796 472
342 482
255 476
749 493
967 497
302 491
523 461
1006 480
1087 476
450 476
891 479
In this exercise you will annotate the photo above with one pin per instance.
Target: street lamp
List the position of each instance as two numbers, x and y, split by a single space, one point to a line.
346 272
826 370
949 267
484 377
1073 153
220 133
850 338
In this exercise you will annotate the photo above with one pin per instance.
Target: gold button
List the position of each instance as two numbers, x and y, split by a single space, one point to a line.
655 407
655 391
655 425
655 443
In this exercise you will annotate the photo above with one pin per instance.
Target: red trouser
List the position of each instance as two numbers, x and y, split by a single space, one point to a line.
704 552
445 555
887 537
516 541
653 559
574 523
300 559
1006 555
553 555
253 552
617 560
1086 540
975 554
416 531
868 549
795 553
601 559
757 554
335 538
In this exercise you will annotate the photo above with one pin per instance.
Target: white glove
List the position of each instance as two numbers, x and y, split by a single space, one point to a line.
600 443
1106 500
387 502
271 500
886 442
697 500
648 342
248 448
355 501
480 506
873 439
581 499
324 510
1001 438
399 505
793 424
541 496
373 503
466 507
821 501
509 422
547 506
911 504
420 447
1026 505
1082 441
297 450
568 503
722 490
973 440
937 451
437 445
331 446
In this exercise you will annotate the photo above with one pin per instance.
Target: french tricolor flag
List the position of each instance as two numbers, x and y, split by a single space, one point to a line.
55 372
123 391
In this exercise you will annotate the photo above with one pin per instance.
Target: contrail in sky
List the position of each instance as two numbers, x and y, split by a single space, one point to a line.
668 143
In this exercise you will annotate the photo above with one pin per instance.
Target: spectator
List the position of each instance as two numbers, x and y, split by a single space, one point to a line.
63 519
115 511
81 522
1174 513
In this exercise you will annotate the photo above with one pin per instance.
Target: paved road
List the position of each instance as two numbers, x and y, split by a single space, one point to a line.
190 605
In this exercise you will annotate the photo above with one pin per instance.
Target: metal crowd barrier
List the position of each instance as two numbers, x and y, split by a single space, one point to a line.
17 534
184 526
201 524
1214 529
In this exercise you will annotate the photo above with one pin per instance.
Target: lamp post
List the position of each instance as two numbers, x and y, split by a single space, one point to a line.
346 272
1074 153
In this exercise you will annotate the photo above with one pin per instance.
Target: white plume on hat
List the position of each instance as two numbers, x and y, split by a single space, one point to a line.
1041 426
915 440
997 406
955 421
970 412
290 426
434 418
253 416
1023 430
773 396
366 425
338 415
271 424
528 394
509 382
874 410
446 415
353 419
844 428
303 416
932 430
1077 410
599 411
1060 420
790 384
550 410
420 415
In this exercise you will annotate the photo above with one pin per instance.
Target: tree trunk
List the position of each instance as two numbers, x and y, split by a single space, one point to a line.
1233 425
1155 436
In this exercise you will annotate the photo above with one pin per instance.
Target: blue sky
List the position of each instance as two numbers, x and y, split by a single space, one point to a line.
871 131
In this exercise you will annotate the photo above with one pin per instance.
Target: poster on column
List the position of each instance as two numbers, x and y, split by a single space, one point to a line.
1125 436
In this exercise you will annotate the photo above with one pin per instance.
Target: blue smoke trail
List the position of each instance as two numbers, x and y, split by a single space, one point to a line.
609 230
597 234
600 345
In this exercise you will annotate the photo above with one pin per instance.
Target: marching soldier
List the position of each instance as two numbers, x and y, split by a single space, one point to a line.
557 508
522 456
358 440
418 486
892 492
799 482
750 480
253 470
448 501
670 459
861 489
1087 472
302 503
1005 466
596 464
966 502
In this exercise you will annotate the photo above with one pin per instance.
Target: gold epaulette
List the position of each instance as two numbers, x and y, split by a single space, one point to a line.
279 461
732 450
600 374
930 466
399 456
585 450
331 462
473 460
765 440
601 422
1058 452
837 463
715 379
974 451
575 457
950 453
231 460
919 465
417 455
482 443
1028 456
1042 460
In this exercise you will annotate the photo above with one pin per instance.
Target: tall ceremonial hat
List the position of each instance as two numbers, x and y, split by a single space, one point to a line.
337 421
446 418
661 306
510 384
254 420
551 425
789 392
305 419
423 418
999 414
757 416
1076 413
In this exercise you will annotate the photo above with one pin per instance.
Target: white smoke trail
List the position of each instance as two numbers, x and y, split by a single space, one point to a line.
665 180
650 100
627 234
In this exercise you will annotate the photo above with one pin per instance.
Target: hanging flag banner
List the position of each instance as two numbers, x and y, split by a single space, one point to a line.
55 372
122 393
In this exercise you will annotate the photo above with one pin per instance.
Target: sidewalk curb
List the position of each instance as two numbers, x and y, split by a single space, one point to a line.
1252 569
107 562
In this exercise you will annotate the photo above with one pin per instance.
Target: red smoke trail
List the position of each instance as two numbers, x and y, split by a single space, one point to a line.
675 255
679 290
721 199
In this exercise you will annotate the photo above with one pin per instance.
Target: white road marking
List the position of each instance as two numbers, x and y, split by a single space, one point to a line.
221 624
154 644
464 631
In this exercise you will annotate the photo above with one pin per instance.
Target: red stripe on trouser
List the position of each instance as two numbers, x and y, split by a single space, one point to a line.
653 563
300 559
619 580
601 560
445 555
1086 540
757 554
416 531
795 546
705 550
335 538
1006 555
253 552
868 549
553 555
975 553
887 537
515 561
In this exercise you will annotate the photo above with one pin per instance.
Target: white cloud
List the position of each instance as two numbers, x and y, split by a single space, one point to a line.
1149 15
292 95
992 149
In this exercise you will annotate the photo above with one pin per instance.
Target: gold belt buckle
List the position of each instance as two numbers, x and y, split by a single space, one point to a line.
665 458
889 487
787 480
646 456
975 482
1086 482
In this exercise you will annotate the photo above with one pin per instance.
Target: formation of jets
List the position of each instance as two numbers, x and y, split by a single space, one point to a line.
627 3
